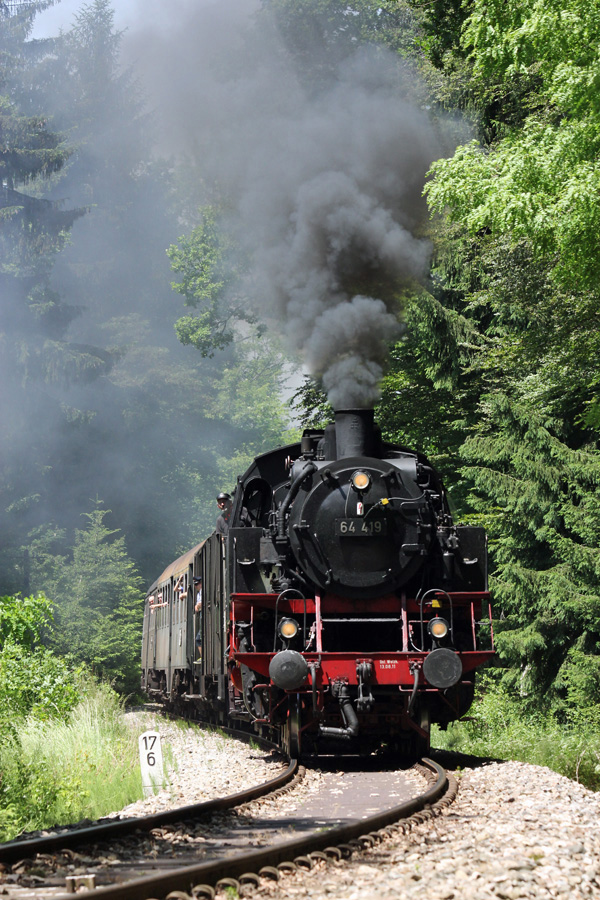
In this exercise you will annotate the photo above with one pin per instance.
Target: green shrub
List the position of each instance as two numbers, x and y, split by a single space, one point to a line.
31 795
65 750
22 619
501 725
37 683
57 771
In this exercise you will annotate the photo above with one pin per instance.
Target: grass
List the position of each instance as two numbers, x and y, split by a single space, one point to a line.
57 772
170 762
500 728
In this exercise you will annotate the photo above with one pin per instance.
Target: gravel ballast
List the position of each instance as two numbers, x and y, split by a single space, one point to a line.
514 831
201 765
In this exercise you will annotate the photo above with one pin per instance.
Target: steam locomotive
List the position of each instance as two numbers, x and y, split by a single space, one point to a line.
343 612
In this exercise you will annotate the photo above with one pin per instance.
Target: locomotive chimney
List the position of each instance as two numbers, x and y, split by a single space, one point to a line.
355 433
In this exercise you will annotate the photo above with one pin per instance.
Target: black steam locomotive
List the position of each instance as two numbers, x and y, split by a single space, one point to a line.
343 612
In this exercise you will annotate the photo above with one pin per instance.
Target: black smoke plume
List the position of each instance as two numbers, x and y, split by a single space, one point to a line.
323 182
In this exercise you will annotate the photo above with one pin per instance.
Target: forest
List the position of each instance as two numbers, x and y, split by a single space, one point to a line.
158 318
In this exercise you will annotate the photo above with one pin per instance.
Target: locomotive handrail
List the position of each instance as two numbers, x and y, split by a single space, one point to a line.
422 601
294 488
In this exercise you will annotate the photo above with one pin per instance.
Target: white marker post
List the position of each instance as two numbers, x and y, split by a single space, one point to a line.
151 762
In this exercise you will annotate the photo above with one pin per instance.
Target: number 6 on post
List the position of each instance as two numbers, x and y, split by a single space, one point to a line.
151 762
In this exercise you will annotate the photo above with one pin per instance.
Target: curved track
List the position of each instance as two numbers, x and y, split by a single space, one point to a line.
119 828
203 877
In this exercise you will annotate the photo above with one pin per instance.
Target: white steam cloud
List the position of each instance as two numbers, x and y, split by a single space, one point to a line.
324 187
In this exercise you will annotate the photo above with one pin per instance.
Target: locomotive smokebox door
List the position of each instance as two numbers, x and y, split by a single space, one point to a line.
364 538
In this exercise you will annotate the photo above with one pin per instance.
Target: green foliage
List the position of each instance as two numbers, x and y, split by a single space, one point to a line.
540 186
539 181
502 725
32 680
540 499
64 749
99 604
36 683
34 150
580 676
100 571
38 361
83 370
528 469
32 230
311 405
211 277
27 788
558 37
22 620
441 24
507 345
428 397
16 28
60 770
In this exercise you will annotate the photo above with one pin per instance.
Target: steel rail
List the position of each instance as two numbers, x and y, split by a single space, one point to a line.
209 873
52 843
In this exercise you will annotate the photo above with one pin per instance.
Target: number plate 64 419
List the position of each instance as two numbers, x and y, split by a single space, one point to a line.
356 527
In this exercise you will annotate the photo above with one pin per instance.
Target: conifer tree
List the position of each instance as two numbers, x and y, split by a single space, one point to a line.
99 603
516 257
37 359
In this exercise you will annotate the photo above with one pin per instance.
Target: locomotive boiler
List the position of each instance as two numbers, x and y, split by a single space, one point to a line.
343 612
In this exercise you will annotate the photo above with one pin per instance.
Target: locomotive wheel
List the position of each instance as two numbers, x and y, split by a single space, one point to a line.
291 738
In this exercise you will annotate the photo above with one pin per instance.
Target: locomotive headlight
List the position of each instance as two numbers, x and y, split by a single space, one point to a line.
361 481
438 628
288 628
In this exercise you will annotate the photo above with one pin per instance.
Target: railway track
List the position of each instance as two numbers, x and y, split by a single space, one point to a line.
179 861
122 828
